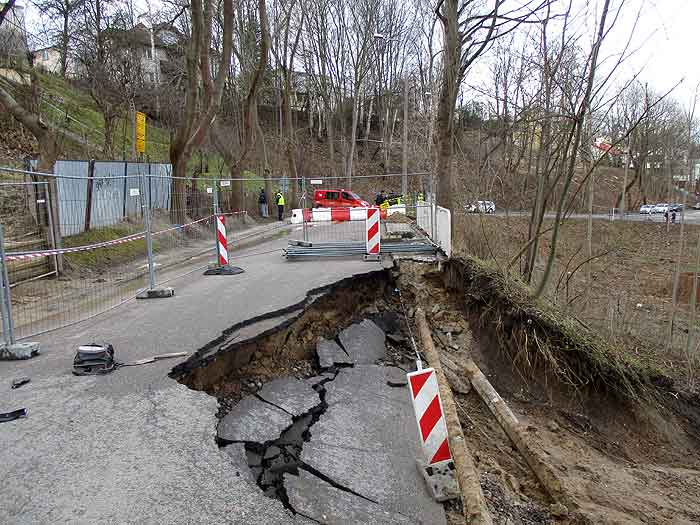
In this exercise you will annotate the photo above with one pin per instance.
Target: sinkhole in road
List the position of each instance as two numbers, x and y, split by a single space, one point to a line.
270 374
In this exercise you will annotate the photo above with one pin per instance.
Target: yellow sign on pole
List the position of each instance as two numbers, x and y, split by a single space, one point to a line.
140 132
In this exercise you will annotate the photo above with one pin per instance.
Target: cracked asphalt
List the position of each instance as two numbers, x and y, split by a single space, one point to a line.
136 446
340 447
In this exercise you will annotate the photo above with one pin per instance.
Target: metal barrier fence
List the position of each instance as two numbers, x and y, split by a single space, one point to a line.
81 243
93 235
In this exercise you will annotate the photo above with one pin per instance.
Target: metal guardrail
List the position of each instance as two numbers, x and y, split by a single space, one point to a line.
301 249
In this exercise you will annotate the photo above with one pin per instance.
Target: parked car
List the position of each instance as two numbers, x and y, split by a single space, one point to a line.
646 209
481 207
338 199
660 208
675 207
696 206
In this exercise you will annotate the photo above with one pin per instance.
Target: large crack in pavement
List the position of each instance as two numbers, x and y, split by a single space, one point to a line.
271 460
294 419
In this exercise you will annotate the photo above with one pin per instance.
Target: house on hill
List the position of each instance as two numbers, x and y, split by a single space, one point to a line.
155 46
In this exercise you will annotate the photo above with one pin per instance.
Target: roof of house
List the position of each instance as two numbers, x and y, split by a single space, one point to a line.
141 34
45 49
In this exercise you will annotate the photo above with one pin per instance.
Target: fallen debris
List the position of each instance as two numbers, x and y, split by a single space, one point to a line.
330 354
473 502
20 381
153 359
515 431
94 359
11 416
364 342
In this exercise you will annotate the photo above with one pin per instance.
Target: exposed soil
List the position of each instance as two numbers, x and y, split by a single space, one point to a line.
619 459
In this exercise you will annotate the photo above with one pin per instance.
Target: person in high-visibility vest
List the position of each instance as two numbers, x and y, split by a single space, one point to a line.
279 199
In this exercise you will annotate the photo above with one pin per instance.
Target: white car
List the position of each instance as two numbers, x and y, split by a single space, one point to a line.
481 207
646 209
660 208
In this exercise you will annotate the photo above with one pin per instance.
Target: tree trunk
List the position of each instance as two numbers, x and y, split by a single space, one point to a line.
353 140
452 54
289 137
178 191
517 433
473 501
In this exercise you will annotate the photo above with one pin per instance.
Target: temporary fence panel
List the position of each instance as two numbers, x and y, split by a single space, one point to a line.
424 218
443 227
160 185
134 183
72 195
108 194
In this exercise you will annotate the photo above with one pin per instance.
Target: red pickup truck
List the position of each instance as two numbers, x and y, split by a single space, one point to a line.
338 199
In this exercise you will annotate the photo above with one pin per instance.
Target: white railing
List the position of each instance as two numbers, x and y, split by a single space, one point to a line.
443 227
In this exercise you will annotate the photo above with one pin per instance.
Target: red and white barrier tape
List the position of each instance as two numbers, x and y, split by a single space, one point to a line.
181 226
48 253
105 244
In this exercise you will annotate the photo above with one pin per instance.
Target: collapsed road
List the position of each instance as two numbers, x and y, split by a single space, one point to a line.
326 428
135 446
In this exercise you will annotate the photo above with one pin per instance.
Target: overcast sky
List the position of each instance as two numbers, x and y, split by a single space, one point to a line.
668 31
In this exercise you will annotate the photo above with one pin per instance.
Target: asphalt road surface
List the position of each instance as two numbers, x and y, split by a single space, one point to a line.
691 216
136 446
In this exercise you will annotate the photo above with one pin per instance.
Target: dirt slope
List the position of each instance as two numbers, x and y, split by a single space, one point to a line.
620 461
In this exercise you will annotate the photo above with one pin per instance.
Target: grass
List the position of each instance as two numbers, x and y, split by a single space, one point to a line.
66 98
103 257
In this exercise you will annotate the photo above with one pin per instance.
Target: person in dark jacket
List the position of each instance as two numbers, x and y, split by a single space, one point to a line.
380 198
262 200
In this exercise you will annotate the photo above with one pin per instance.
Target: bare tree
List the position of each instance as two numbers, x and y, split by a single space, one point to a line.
468 31
63 15
202 93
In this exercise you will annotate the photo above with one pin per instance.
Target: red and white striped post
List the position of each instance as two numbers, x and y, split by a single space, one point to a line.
373 236
222 267
430 417
222 243
437 467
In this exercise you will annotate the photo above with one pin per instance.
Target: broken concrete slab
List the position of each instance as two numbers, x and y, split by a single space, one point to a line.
365 383
320 501
236 452
315 380
378 457
330 354
364 342
290 394
253 420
